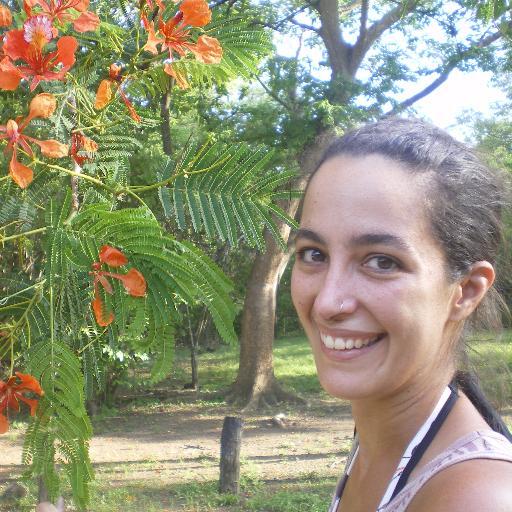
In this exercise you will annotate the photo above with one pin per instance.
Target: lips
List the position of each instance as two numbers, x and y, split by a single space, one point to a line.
349 343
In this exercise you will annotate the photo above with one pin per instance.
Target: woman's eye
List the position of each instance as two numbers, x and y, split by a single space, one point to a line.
381 263
311 255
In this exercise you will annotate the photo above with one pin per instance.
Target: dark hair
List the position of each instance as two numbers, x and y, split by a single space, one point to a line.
465 206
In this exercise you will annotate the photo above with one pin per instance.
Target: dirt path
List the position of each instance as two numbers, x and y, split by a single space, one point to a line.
180 443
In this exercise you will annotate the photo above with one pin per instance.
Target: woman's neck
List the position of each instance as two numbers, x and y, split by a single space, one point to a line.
385 426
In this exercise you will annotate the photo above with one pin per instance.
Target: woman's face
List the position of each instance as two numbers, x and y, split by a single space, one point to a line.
365 242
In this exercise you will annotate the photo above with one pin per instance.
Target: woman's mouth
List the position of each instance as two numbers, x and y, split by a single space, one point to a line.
339 343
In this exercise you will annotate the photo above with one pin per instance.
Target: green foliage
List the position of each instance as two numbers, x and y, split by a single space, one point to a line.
235 200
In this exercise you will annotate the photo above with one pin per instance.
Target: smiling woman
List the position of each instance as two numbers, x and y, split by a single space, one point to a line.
395 254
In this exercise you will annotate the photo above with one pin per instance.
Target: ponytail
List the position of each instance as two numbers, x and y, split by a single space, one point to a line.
468 382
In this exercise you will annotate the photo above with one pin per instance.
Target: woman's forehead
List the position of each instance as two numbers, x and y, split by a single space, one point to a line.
371 194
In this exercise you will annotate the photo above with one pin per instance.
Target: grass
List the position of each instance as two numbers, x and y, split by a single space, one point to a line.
294 367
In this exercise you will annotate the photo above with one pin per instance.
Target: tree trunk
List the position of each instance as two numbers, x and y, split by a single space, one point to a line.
256 384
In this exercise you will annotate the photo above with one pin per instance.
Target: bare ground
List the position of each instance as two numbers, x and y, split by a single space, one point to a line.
177 440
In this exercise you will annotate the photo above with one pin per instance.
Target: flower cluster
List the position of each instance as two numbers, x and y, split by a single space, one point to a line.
133 281
104 92
35 52
174 36
12 392
42 106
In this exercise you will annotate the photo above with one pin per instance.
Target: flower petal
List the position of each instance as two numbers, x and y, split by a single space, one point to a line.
28 383
134 283
21 174
52 148
181 81
15 45
98 307
5 16
129 106
42 105
195 12
4 424
207 50
103 94
153 39
31 402
104 282
10 76
87 21
112 257
66 48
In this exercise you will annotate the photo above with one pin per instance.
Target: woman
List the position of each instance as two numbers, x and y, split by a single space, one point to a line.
395 255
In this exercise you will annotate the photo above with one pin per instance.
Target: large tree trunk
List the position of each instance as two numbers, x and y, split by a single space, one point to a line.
256 384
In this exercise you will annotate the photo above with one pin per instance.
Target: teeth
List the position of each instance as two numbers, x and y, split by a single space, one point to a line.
329 342
346 343
339 344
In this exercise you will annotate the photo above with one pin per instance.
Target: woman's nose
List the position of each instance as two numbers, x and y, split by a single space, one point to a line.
335 297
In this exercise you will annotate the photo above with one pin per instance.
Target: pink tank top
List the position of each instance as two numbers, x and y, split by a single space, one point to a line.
485 444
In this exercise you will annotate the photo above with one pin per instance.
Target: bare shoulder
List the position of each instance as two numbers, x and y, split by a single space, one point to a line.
480 485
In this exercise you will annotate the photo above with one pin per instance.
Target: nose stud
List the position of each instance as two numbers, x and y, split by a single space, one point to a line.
341 306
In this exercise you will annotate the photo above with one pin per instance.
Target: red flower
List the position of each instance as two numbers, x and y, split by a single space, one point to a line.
64 11
98 308
195 13
104 92
11 393
208 50
82 144
174 36
112 257
43 105
27 45
5 16
133 281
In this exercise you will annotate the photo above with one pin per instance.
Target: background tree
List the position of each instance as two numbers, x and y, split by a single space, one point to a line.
371 50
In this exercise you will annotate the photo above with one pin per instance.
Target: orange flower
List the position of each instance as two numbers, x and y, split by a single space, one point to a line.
27 45
181 81
11 393
5 16
208 50
133 282
112 257
42 106
195 13
104 92
63 11
10 76
81 143
175 36
98 308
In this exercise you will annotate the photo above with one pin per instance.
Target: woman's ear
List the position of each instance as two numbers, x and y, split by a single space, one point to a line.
471 290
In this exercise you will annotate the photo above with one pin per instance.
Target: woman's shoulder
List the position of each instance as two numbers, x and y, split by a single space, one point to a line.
474 473
474 485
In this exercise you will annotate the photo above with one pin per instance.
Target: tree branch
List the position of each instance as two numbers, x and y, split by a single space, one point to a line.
330 31
305 26
453 62
272 94
365 6
363 44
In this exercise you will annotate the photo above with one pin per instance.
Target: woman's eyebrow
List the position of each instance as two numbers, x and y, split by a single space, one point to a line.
309 235
380 239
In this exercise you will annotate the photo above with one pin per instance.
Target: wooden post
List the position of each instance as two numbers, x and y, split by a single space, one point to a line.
230 442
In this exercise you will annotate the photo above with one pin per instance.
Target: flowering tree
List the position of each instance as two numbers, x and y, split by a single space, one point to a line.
85 262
